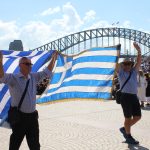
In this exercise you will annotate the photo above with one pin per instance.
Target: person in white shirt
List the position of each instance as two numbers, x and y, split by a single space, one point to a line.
142 84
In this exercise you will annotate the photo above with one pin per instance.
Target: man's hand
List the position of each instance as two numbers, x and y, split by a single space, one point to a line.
55 54
1 65
137 47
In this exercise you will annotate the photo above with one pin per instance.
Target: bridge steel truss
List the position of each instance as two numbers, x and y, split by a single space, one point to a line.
66 42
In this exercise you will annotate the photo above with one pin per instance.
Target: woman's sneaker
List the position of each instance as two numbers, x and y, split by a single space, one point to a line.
131 140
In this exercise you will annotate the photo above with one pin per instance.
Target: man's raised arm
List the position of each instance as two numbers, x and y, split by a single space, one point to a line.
1 65
139 57
52 62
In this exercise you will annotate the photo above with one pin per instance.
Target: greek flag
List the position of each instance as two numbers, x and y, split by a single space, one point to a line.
10 63
88 75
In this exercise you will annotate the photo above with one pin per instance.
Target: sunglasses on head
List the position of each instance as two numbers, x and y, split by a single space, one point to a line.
27 64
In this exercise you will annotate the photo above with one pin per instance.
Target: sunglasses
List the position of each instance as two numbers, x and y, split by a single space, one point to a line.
27 64
127 64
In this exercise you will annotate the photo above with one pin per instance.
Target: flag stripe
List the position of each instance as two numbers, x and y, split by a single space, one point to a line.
95 59
97 53
106 71
55 83
4 101
80 89
103 48
3 91
7 64
5 106
93 64
72 95
80 82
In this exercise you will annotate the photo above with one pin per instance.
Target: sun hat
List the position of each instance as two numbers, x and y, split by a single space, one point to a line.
128 61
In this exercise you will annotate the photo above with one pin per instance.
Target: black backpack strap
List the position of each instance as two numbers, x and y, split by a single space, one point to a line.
126 81
23 95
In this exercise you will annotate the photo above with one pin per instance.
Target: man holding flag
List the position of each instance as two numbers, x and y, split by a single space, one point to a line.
127 73
28 126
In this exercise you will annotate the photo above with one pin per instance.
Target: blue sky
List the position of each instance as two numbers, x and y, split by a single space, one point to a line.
37 22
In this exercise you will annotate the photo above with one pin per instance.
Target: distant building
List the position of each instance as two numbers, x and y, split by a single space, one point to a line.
16 45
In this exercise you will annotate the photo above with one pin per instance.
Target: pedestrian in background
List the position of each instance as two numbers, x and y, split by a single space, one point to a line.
142 84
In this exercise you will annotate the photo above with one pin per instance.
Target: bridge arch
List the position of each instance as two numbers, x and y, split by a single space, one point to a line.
112 35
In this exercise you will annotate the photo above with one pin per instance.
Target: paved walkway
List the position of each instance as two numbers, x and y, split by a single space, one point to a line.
84 125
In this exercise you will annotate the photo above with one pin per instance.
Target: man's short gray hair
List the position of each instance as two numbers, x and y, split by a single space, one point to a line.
22 58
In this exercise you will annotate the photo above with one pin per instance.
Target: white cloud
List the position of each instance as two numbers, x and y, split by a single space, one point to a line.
90 16
50 11
8 32
99 24
36 33
71 17
126 24
106 24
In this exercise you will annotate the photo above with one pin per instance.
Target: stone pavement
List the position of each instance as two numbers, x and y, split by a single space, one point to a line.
84 125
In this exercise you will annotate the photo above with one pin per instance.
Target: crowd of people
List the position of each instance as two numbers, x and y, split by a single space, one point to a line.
42 85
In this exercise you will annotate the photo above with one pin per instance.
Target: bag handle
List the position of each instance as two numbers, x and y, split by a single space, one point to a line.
23 95
126 81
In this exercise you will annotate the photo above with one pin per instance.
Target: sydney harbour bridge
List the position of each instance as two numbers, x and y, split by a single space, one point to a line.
103 37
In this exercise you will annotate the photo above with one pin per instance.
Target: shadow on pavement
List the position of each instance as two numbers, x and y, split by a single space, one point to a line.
137 147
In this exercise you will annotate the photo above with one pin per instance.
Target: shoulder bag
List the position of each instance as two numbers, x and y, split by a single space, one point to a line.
14 113
118 93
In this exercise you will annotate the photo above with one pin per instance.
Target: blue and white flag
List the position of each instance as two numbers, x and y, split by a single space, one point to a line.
10 63
88 75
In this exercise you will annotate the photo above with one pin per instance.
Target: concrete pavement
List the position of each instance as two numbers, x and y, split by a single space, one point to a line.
84 125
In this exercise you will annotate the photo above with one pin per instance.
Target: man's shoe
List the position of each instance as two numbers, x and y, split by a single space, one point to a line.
131 140
123 131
